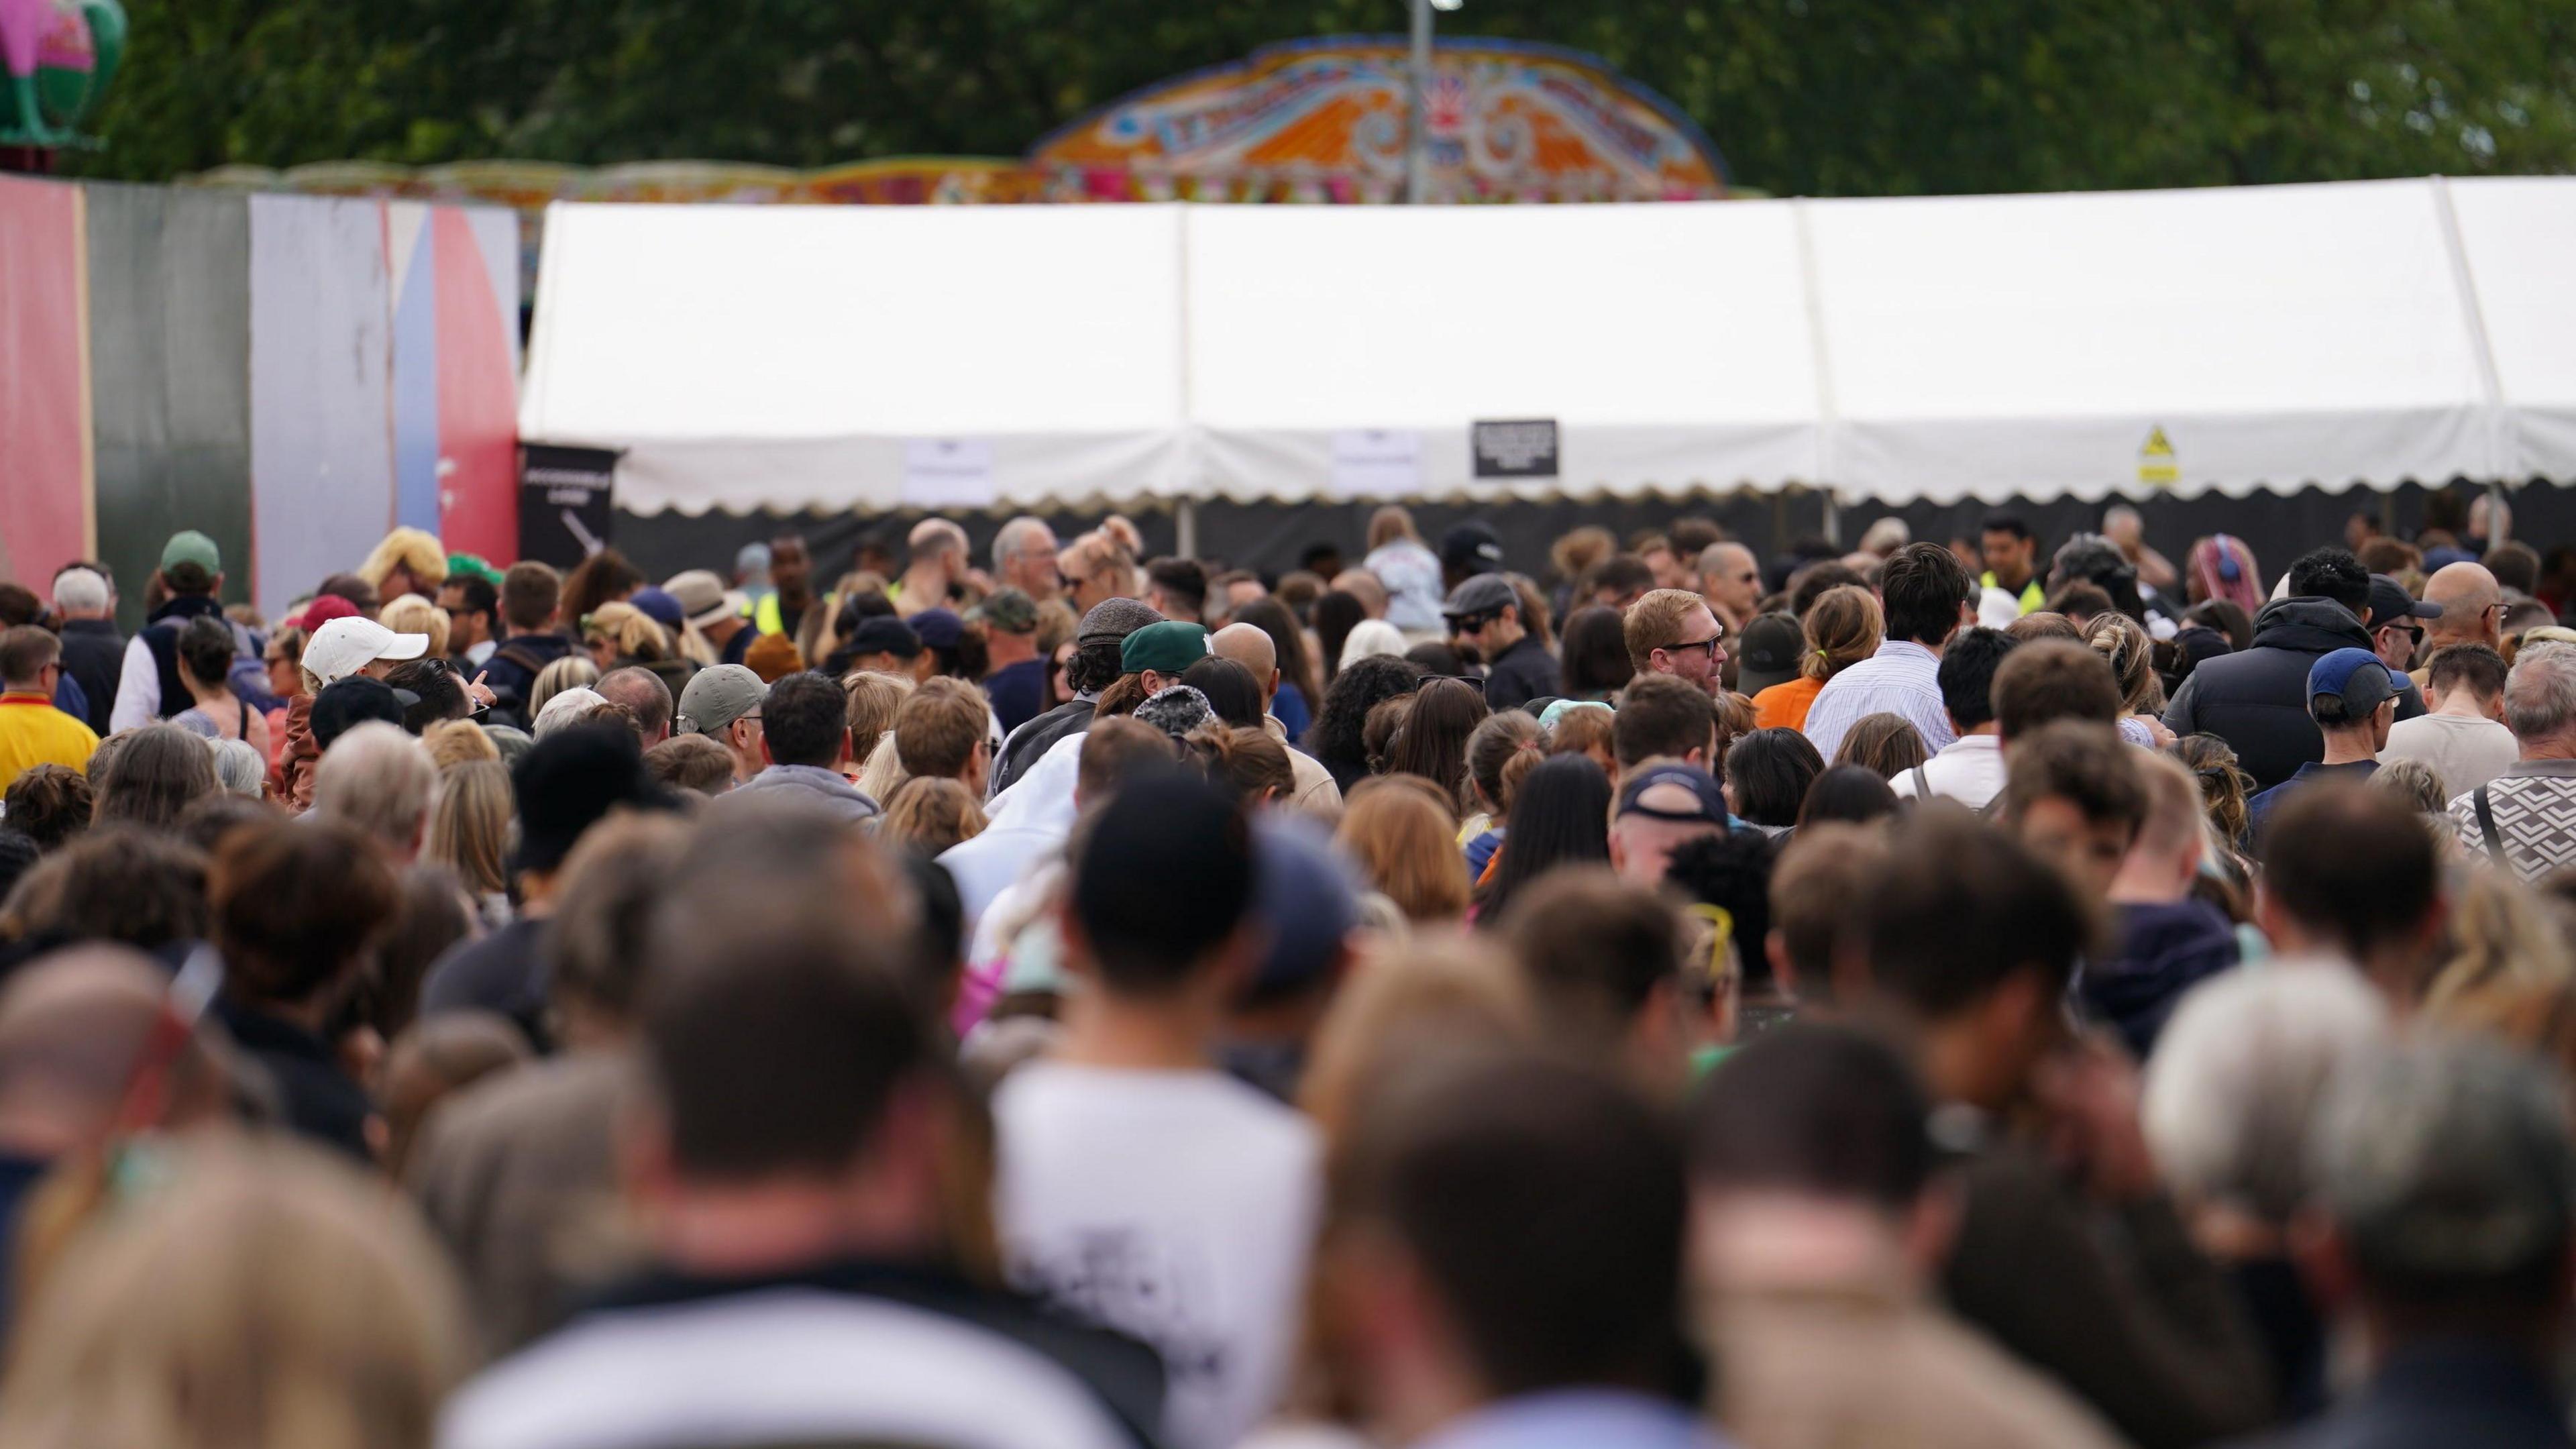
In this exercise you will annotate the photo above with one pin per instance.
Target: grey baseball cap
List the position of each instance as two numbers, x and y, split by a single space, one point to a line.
1116 619
717 697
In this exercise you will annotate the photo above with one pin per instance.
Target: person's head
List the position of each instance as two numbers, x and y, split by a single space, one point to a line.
2469 675
1925 592
1113 750
2044 681
1510 1225
2239 1073
1812 928
874 699
2124 645
644 695
2516 567
48 804
1619 581
1496 742
2172 840
292 1302
1661 715
409 561
2224 786
156 773
2353 698
1730 578
1603 959
469 828
604 578
927 814
2540 701
2472 604
938 733
415 614
1561 816
1991 981
1405 839
82 593
1250 645
2444 1171
2354 873
1289 654
204 650
31 658
1161 887
1767 776
74 1026
145 888
379 781
1672 632
530 594
437 693
1177 588
690 762
1842 628
1099 566
1485 614
1338 736
350 647
1231 688
1596 653
1661 808
1433 741
2072 794
2331 573
472 605
1851 794
1024 553
1885 744
297 906
1813 582
2011 550
191 565
724 704
790 566
1247 761
1822 1120
804 720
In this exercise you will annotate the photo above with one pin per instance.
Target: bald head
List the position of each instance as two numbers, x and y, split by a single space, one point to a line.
2471 602
72 1027
1248 646
935 537
645 695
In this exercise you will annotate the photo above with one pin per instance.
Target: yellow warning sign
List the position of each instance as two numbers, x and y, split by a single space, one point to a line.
2156 466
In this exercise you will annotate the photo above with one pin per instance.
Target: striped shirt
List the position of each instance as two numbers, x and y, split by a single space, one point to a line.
1902 678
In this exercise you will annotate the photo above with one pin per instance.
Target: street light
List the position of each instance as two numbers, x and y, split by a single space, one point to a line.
1417 133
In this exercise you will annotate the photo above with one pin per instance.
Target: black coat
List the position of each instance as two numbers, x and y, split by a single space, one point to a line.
94 654
1029 743
2257 701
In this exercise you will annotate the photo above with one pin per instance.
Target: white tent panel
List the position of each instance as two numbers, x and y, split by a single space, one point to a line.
783 356
2517 236
1668 342
2277 336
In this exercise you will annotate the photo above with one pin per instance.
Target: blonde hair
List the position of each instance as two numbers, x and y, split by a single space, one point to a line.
573 671
1578 551
412 614
455 742
2504 945
1389 524
264 1295
416 551
883 772
1402 835
875 700
1843 627
630 629
469 831
930 814
2120 640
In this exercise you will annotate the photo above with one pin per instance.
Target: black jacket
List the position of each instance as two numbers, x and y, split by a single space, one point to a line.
1029 743
94 654
2257 701
508 675
1524 672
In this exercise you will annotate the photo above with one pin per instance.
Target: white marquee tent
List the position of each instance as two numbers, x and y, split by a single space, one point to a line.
2233 340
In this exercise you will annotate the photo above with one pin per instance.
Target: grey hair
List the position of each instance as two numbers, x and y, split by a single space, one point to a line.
380 780
1007 541
238 767
2238 1075
80 589
2540 693
2446 1163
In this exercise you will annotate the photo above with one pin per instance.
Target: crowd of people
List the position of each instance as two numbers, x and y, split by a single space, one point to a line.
1952 994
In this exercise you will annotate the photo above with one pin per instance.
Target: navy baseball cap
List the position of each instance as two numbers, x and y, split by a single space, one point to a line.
2356 676
1684 794
2389 602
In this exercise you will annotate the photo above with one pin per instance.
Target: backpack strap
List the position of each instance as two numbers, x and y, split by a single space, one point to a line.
1922 784
2487 827
518 654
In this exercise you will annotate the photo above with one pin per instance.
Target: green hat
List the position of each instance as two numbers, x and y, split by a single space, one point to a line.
190 546
1165 648
1009 610
465 565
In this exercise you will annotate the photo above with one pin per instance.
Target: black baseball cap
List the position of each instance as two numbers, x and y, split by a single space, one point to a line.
1768 652
1471 548
347 703
2389 602
882 634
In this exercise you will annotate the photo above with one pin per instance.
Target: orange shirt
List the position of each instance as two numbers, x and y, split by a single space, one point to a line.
1784 706
33 732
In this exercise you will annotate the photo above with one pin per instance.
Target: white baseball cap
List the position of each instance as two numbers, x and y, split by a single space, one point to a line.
342 647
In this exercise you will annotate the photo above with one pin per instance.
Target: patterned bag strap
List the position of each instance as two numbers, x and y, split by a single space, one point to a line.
2487 827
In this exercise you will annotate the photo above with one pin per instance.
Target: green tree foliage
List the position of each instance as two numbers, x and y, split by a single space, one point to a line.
1818 97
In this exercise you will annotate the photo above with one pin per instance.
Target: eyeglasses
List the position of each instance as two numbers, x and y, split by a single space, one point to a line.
1707 646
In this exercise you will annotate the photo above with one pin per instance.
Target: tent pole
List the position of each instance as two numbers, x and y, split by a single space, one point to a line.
1833 518
1185 528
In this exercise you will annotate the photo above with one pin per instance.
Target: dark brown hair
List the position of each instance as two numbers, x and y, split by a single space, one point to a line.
297 905
2002 911
2050 679
1661 715
49 804
1885 744
2083 763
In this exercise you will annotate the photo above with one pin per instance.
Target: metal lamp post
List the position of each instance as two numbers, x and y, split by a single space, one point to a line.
1417 131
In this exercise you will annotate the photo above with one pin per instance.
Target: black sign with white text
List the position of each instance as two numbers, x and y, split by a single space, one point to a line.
1514 448
564 502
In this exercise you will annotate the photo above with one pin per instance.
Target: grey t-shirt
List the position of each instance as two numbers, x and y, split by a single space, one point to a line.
2464 750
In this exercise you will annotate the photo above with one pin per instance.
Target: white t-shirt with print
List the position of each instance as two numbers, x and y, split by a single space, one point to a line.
1176 1206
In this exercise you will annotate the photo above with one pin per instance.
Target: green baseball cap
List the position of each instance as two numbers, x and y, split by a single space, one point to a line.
1165 648
190 546
472 565
1009 610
